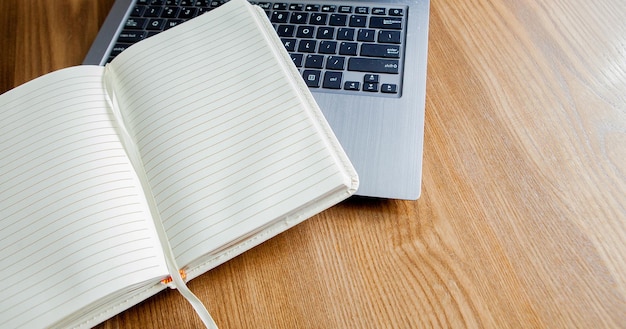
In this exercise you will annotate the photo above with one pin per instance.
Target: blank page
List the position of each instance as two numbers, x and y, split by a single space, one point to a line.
228 141
73 224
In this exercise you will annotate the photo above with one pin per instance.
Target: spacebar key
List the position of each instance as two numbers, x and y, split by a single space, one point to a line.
373 65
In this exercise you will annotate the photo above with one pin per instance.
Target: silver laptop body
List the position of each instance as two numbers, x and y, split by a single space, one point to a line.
383 135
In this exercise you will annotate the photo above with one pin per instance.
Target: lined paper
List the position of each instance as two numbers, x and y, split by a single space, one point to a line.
73 223
225 139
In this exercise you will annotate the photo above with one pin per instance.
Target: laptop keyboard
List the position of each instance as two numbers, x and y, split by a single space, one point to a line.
354 49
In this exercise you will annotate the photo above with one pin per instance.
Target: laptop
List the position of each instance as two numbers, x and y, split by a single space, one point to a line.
364 61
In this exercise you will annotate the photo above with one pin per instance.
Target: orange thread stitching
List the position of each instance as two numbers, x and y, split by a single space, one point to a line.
169 279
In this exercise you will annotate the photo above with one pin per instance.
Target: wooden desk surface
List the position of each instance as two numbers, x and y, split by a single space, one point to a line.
522 220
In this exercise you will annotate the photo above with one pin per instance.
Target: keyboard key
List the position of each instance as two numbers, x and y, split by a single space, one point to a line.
314 61
396 12
332 80
345 9
131 36
305 31
299 18
188 13
388 36
263 5
286 30
348 48
345 34
297 59
138 11
362 10
312 8
170 23
279 17
136 23
379 11
324 32
338 20
374 65
371 87
217 3
170 12
358 21
393 23
377 50
156 24
328 47
318 19
296 7
280 6
307 46
352 85
329 8
389 88
153 11
371 78
366 35
335 63
290 44
312 78
118 48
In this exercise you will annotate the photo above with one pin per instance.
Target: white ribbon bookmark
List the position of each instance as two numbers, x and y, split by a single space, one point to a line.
177 281
179 284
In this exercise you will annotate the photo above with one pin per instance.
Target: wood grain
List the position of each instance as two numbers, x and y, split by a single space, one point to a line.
522 219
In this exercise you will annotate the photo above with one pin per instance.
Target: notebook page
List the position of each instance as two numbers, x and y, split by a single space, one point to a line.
226 141
73 224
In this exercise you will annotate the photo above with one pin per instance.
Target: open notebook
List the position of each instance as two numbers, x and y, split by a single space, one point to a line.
112 179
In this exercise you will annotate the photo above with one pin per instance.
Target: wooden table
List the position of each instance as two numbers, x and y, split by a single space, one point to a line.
522 219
